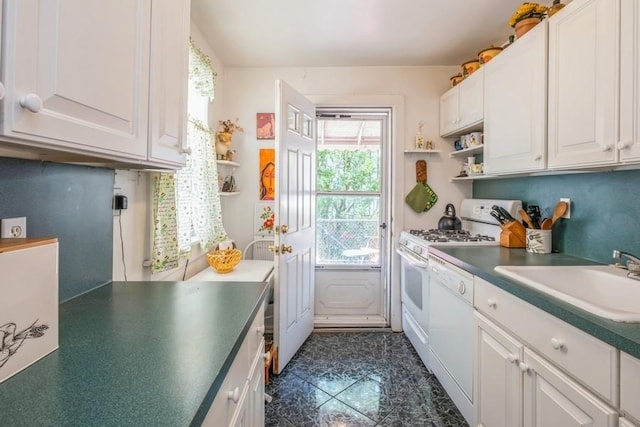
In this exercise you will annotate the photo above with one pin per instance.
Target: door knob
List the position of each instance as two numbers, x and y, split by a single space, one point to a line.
286 249
284 228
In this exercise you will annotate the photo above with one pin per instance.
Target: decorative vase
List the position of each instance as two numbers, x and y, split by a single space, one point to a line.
525 25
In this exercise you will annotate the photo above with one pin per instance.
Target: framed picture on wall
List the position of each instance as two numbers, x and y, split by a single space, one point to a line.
263 219
265 125
267 173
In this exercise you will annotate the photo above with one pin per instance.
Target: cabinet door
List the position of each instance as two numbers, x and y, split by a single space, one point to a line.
630 385
449 111
256 389
241 417
553 399
516 106
583 64
471 100
629 137
76 75
498 380
169 78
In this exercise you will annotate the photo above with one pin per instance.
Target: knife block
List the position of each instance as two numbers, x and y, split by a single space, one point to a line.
513 235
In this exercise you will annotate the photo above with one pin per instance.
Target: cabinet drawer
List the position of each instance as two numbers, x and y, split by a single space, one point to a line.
224 407
630 385
561 343
255 335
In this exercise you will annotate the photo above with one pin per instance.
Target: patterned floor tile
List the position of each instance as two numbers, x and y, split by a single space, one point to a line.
374 376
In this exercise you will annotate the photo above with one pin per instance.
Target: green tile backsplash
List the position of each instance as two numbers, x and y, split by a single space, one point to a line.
72 203
605 209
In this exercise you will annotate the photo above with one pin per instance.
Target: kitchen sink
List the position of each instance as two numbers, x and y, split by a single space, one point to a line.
602 290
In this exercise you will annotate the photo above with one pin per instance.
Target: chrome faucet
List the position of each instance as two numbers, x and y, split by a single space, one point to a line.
633 263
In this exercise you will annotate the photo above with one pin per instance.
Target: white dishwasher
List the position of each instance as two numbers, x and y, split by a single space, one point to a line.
451 331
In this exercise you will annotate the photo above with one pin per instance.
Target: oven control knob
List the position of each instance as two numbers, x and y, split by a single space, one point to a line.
403 242
417 249
462 288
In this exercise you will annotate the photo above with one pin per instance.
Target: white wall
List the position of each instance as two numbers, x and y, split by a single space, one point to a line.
242 92
417 91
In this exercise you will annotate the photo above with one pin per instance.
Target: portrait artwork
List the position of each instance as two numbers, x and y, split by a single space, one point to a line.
267 174
265 125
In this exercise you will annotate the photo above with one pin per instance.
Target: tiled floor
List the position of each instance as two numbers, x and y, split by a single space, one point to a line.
358 379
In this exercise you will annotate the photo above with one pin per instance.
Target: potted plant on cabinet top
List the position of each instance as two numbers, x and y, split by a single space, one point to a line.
526 17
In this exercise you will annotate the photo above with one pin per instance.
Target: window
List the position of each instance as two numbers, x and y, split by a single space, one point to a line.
349 183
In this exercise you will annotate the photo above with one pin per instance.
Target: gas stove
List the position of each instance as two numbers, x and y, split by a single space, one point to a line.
444 236
478 228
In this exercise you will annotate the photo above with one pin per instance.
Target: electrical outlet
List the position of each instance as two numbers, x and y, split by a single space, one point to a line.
567 200
13 227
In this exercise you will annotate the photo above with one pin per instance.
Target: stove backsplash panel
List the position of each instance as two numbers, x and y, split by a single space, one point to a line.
605 209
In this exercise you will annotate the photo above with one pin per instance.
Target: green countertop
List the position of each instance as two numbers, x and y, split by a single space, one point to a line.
136 354
481 260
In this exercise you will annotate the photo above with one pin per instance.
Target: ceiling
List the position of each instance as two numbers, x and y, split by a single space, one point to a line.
320 33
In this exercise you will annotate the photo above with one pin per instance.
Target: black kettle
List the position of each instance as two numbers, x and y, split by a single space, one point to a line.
450 221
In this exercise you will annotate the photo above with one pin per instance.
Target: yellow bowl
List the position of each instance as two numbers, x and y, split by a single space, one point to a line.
223 261
469 67
456 79
488 54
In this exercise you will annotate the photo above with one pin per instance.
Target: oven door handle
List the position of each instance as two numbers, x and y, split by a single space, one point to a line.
411 259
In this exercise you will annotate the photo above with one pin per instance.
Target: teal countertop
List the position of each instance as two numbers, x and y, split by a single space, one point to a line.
481 260
136 354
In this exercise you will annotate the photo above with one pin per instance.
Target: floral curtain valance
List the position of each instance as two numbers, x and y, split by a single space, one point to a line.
201 71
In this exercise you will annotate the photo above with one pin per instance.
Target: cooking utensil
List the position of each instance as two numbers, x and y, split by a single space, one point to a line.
450 221
546 224
502 211
526 218
421 198
497 216
558 211
534 213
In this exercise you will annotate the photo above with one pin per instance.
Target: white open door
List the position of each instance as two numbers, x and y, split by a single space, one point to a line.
295 219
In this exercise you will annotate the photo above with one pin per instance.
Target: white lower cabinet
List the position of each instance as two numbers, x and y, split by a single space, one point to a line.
630 385
498 380
240 400
551 398
532 368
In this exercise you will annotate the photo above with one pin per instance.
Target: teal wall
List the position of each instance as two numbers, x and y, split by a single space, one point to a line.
72 203
605 209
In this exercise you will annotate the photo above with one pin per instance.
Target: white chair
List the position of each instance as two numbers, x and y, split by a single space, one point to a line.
259 249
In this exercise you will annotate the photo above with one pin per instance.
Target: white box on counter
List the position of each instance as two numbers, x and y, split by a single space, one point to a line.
28 302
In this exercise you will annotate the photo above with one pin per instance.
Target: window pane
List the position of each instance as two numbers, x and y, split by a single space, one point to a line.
349 155
347 229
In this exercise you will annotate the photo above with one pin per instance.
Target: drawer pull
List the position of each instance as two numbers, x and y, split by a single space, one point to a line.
524 367
557 344
260 330
492 303
234 395
512 358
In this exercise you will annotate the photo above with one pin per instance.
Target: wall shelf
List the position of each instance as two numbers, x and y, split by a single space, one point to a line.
472 178
229 193
419 151
467 151
228 163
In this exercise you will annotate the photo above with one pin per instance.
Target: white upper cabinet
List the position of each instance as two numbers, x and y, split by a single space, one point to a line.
515 106
629 136
169 78
76 74
461 107
583 65
97 80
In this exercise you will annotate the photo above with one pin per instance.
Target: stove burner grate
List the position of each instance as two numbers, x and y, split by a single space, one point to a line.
437 235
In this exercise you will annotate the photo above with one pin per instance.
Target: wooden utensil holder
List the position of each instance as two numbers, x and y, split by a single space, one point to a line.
513 235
